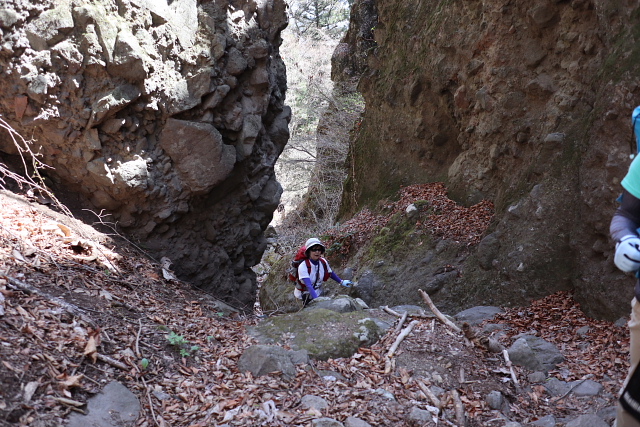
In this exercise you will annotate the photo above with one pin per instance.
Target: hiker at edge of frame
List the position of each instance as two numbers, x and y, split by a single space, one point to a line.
624 231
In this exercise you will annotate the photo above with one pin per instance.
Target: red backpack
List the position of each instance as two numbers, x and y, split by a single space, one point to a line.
298 259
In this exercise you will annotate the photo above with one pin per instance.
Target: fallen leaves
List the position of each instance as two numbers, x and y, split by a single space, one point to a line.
53 359
91 347
444 217
557 318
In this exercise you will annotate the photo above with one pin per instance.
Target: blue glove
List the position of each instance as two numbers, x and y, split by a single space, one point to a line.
346 283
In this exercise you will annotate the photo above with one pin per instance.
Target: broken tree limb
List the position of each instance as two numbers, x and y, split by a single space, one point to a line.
439 315
138 339
401 322
510 366
406 331
459 408
427 391
69 402
112 362
391 312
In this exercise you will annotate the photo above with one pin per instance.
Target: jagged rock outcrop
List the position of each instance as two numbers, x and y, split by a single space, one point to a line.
169 115
525 104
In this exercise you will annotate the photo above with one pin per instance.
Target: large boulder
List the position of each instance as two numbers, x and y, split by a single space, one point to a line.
323 333
169 116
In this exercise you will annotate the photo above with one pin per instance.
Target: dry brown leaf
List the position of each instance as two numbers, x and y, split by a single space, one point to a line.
65 230
90 349
71 381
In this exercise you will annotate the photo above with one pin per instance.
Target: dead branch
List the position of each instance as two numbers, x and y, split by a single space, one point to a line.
459 408
406 331
138 339
390 311
112 362
510 366
153 413
420 315
427 391
439 315
401 322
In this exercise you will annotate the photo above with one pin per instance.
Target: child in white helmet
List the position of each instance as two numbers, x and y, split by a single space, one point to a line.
314 271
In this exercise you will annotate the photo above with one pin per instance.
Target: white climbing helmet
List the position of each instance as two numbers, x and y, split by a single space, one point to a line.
314 241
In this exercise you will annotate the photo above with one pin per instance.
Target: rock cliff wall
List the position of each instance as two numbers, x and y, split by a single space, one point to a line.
169 115
525 104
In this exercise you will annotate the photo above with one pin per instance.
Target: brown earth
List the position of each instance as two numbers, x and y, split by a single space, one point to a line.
72 296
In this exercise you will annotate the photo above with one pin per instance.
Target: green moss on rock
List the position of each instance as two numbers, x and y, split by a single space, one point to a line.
324 334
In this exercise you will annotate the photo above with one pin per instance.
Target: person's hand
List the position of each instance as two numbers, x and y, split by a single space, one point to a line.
349 283
627 256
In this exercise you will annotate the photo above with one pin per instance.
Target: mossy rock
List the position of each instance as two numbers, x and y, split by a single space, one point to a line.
276 293
323 333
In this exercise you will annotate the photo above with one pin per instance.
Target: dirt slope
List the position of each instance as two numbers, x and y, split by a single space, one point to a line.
68 302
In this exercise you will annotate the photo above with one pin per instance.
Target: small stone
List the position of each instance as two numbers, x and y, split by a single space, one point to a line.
386 394
583 331
355 422
495 400
537 377
587 388
621 322
588 420
419 416
547 421
326 422
311 401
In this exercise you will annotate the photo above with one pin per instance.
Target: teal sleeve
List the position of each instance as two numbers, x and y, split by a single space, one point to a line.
631 181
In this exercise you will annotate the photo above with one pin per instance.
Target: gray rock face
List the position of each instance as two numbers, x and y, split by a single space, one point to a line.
169 115
537 93
588 420
198 153
475 315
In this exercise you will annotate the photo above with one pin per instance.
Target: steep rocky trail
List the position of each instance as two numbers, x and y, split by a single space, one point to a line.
80 309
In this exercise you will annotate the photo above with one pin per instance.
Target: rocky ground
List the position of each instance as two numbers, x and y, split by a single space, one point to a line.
79 309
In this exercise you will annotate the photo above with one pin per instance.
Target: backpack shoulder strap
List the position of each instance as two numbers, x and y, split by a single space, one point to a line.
308 264
326 270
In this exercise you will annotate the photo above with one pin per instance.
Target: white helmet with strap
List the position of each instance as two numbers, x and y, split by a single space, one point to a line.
314 241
